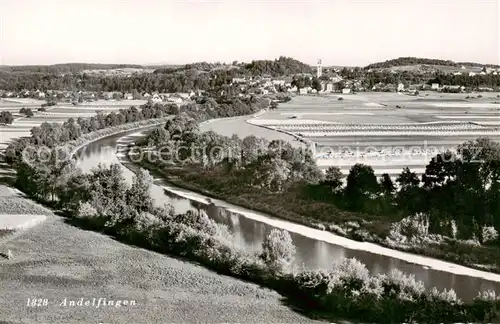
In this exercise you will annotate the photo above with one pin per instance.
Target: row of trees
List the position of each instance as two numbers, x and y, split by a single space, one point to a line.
478 80
255 161
54 134
459 195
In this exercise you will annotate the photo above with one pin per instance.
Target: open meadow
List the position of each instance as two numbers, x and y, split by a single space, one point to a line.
56 261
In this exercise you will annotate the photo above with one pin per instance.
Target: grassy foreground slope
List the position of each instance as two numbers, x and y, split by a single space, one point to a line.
56 260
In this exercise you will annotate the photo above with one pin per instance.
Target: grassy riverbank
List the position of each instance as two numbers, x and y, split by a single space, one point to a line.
300 209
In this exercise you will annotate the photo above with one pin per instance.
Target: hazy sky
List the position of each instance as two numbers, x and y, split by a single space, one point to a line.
341 32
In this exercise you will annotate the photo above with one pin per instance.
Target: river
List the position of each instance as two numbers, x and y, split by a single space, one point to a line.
314 248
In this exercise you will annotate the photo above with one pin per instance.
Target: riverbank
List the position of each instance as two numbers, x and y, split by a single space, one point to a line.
366 229
74 146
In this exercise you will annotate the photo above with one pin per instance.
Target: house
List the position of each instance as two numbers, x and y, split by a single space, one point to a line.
239 80
390 87
482 73
472 74
435 86
401 87
485 89
328 87
457 73
183 95
454 88
128 96
346 90
146 95
302 91
40 94
156 98
175 100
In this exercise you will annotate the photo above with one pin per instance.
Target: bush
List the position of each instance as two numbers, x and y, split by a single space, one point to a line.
278 251
490 234
340 98
86 210
42 109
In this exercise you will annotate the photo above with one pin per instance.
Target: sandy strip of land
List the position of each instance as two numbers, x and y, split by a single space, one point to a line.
328 113
465 105
345 242
398 133
497 117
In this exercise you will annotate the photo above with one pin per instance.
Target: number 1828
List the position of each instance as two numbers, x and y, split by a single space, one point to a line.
34 302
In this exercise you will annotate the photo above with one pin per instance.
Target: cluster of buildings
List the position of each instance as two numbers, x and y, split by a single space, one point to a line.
476 71
72 96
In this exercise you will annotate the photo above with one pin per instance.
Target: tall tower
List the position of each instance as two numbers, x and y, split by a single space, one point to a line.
319 69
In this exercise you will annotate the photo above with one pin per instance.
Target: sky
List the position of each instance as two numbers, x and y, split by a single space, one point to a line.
340 32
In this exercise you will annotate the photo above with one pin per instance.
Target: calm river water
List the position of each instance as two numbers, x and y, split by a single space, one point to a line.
311 253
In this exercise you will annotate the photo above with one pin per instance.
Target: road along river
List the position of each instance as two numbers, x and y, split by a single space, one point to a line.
315 248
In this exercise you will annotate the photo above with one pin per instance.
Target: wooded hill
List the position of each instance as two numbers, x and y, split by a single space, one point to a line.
402 61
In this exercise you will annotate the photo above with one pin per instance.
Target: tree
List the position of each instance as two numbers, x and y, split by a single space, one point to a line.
272 173
361 185
158 136
410 195
29 113
316 84
108 190
333 178
386 185
139 195
6 117
278 250
251 148
362 180
440 170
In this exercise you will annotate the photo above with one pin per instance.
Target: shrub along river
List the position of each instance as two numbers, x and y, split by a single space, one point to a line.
315 249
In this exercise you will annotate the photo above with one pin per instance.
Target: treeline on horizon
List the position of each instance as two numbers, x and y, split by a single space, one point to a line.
207 66
213 77
401 61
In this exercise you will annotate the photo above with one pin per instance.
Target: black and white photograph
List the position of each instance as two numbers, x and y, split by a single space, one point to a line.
265 161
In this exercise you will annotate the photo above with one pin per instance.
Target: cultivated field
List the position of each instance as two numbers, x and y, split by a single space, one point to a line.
386 130
57 261
54 114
